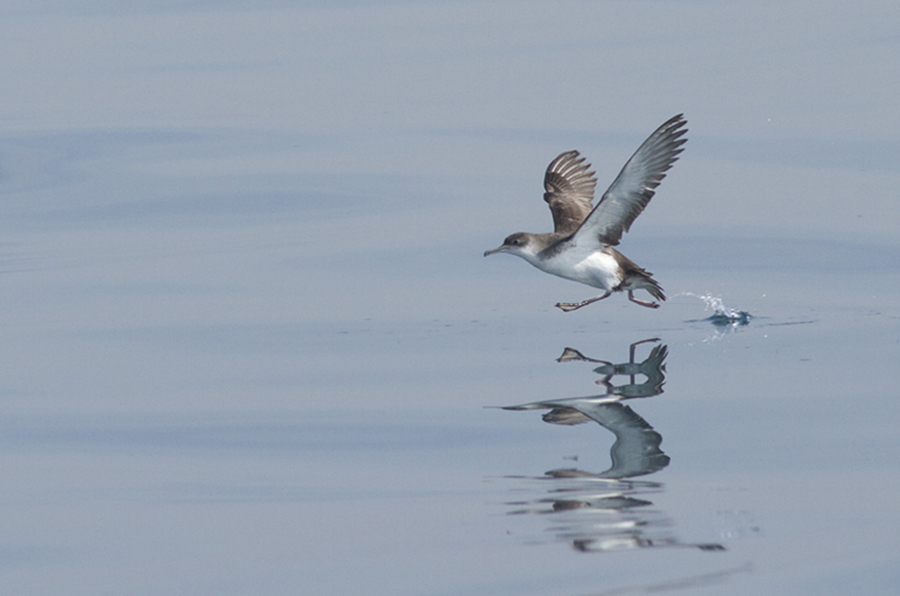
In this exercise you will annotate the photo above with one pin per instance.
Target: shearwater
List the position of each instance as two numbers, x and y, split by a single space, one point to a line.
580 247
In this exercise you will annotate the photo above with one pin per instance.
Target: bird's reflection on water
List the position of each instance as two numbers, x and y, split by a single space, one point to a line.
608 511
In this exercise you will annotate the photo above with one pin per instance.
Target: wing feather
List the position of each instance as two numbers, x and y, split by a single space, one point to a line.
569 184
635 185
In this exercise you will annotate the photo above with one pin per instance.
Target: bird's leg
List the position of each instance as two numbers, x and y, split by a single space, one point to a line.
606 384
637 343
631 351
567 306
641 302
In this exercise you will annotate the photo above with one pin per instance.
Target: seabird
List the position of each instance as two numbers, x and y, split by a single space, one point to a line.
580 247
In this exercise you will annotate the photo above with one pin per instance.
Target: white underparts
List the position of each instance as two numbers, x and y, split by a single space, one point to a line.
592 267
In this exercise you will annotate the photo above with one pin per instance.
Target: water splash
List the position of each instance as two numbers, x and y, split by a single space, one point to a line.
722 316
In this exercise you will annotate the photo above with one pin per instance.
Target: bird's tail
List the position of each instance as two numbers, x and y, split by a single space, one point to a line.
642 280
638 278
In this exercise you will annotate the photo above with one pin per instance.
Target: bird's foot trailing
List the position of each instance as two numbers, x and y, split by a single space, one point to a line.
642 302
569 306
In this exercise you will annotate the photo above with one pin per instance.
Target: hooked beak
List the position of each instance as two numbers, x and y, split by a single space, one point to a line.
496 250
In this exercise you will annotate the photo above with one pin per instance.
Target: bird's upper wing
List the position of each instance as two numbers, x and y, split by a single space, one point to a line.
569 186
635 184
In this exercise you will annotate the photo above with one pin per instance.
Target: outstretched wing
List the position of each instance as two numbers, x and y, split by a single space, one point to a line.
569 186
635 184
636 450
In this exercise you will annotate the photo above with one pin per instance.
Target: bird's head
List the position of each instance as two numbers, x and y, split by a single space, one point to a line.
520 244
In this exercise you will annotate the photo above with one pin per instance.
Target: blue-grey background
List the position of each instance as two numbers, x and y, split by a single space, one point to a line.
248 334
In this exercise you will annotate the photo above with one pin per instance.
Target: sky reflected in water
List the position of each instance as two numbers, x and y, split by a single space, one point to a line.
251 346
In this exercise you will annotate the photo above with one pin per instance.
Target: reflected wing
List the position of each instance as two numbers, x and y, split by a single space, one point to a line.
635 184
569 186
636 451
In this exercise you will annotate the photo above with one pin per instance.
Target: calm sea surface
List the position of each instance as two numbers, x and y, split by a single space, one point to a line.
250 345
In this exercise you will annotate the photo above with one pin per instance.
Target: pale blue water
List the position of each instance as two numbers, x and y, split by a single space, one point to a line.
250 344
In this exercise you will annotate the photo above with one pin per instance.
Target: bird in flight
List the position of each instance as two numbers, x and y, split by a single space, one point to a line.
580 247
